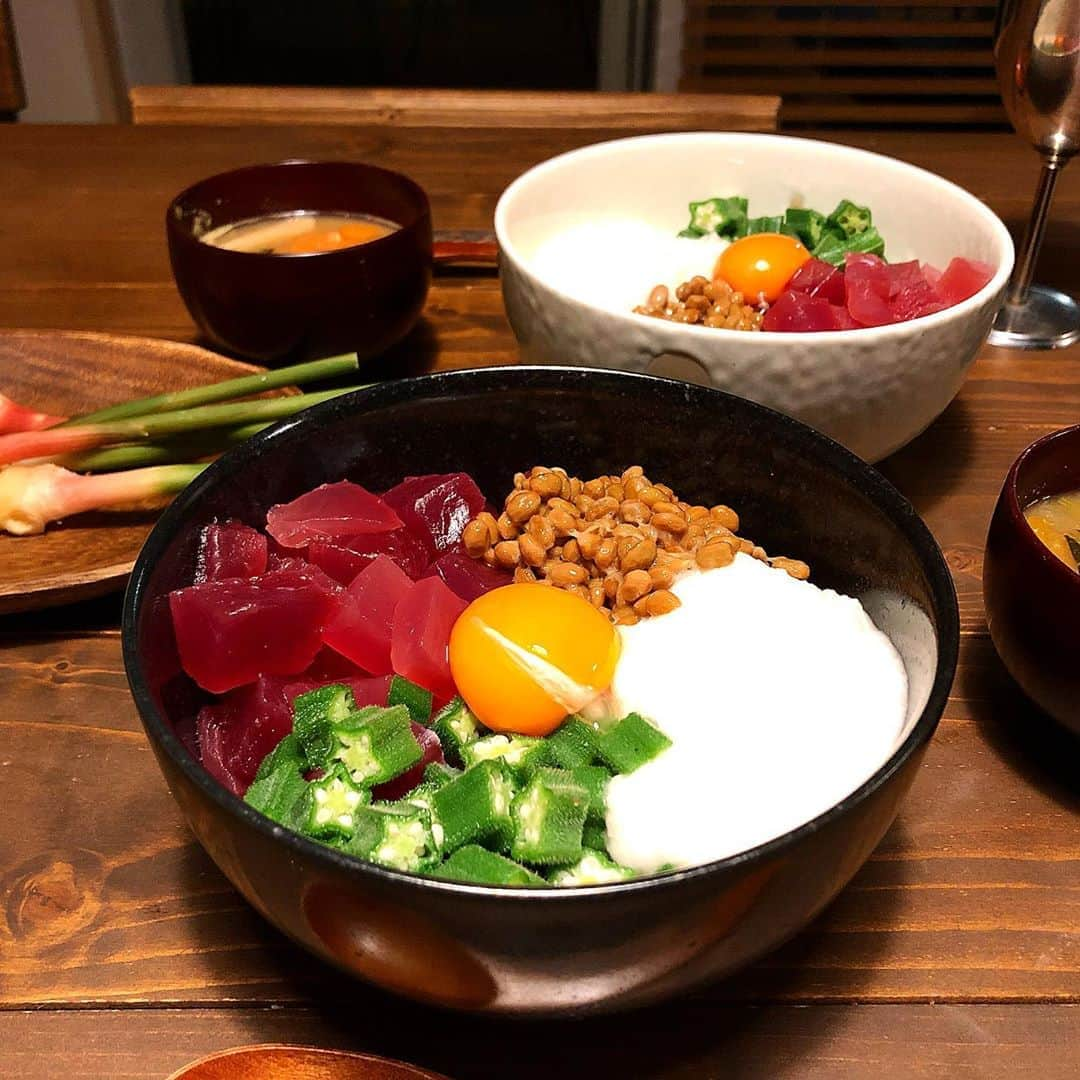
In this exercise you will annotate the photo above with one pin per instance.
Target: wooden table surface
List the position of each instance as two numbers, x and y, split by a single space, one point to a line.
125 953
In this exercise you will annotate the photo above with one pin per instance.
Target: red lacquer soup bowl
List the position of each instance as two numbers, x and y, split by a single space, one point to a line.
273 308
1032 598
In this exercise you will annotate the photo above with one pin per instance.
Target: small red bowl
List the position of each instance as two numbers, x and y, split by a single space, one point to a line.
278 308
1031 596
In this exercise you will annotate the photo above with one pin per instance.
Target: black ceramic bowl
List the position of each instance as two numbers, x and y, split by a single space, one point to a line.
273 308
527 951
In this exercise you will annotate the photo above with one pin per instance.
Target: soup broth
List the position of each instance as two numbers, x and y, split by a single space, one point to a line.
1056 522
298 234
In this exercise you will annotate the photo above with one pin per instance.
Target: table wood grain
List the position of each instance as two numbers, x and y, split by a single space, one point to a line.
955 952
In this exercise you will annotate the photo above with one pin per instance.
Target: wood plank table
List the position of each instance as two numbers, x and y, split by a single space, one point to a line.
125 953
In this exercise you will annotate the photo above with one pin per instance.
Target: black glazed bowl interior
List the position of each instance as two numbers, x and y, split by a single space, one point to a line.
605 947
278 308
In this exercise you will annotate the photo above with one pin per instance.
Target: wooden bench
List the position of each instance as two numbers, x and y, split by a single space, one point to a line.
242 105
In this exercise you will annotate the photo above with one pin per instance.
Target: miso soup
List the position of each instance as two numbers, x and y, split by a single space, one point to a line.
298 234
1056 522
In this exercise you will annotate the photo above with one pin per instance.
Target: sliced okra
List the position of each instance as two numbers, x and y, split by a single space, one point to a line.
572 743
475 864
549 816
475 808
276 793
287 752
415 698
439 774
377 744
314 716
423 797
519 753
593 868
328 807
594 836
594 779
630 743
457 728
393 835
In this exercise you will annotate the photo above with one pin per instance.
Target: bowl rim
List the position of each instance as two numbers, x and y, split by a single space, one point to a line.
175 226
1067 579
824 337
440 384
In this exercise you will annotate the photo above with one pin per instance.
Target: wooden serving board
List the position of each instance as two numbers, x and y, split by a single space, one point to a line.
65 373
269 1062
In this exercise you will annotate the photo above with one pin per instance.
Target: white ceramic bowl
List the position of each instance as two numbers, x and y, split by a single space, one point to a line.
872 389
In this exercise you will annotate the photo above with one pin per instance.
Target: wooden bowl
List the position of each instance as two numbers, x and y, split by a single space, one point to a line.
1031 596
273 308
272 1062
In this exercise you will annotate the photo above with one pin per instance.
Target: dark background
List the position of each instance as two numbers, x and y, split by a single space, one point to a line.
526 44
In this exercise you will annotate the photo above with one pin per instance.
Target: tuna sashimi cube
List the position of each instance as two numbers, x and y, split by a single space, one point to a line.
330 666
403 784
867 288
421 635
341 509
231 550
842 318
228 633
911 295
362 628
436 508
798 313
346 556
818 278
216 734
963 278
466 576
238 731
302 574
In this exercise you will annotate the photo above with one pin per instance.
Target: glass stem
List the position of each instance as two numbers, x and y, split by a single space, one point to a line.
1033 238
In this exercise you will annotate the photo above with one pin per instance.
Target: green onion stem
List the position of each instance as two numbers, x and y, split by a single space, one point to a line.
297 375
57 442
165 452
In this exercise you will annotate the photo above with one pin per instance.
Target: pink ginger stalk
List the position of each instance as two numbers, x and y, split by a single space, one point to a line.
16 417
33 495
53 442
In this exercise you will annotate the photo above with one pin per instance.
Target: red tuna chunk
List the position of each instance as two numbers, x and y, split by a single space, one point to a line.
362 628
238 731
230 632
421 635
818 278
963 278
867 288
232 550
346 556
436 508
797 312
911 295
341 509
466 576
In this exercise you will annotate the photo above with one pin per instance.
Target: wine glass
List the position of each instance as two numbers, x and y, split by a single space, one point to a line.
1037 55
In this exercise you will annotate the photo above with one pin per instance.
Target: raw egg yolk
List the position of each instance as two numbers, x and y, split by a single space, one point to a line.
761 265
525 656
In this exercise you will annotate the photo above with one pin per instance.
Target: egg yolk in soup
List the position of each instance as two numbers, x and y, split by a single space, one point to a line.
761 265
524 656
